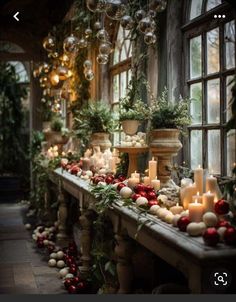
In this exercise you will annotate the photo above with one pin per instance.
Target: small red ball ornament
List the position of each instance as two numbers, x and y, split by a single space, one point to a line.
230 236
72 289
148 188
68 283
76 280
152 202
139 188
81 287
211 237
73 270
223 223
143 194
183 223
120 186
121 178
151 195
221 207
135 196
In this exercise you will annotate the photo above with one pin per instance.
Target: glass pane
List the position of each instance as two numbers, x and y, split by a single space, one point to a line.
214 152
230 45
195 57
196 148
196 103
212 3
213 51
115 109
229 85
129 75
213 101
115 88
196 8
123 84
116 138
231 151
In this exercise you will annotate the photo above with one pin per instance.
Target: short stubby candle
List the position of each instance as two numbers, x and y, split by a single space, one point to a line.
208 201
196 211
176 209
197 197
152 165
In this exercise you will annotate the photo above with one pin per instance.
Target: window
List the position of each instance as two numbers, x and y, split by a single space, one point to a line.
210 53
120 72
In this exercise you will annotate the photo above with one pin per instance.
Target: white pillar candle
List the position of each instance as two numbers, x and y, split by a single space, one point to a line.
156 184
198 179
135 175
197 197
132 182
187 194
146 180
176 209
208 201
196 211
212 185
152 166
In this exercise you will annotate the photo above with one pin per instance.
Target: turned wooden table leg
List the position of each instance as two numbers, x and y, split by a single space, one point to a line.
62 216
124 268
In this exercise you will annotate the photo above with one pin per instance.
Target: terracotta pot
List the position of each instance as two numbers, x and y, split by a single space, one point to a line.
101 139
130 127
164 145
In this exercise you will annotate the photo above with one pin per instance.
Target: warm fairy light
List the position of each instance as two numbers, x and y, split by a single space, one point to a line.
152 158
199 166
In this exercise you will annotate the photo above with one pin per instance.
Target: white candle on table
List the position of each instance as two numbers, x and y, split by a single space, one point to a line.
212 185
156 184
196 211
132 182
208 201
152 166
146 180
135 175
197 197
198 179
187 195
176 209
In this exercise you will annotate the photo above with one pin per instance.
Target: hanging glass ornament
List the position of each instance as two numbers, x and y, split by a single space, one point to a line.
146 24
82 43
102 59
89 75
105 48
150 38
70 44
152 14
87 64
102 35
115 9
97 25
88 33
65 59
127 22
49 43
97 6
139 15
54 78
158 5
62 72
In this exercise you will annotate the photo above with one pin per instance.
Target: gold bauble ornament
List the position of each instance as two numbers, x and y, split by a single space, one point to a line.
49 43
62 72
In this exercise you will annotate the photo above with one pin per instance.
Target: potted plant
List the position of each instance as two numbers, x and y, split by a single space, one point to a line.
93 125
167 119
132 109
58 135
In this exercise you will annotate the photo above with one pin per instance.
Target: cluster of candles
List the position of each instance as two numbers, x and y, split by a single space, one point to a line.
52 152
151 179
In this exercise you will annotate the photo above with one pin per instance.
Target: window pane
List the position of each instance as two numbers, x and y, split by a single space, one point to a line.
196 8
196 103
115 88
123 84
116 138
213 51
213 101
212 3
230 45
229 85
231 151
129 76
196 148
214 152
195 57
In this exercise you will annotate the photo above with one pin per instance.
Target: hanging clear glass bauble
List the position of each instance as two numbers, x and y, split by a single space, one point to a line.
62 72
146 24
97 25
105 48
115 9
158 5
82 43
152 14
139 15
102 35
102 59
150 38
87 64
49 43
70 44
127 22
97 6
89 75
88 33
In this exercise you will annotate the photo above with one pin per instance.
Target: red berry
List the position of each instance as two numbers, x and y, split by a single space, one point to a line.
148 188
120 186
230 236
211 237
183 223
221 207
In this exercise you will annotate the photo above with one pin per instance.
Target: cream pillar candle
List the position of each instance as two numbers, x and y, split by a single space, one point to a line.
198 179
212 185
132 182
196 211
187 194
197 197
146 180
208 201
176 209
156 184
152 166
135 175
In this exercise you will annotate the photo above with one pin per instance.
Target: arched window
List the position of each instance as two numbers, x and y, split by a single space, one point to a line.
210 67
120 70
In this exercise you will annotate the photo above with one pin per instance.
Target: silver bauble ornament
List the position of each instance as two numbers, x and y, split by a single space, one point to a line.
152 14
146 24
102 35
88 33
115 9
158 5
105 48
49 43
89 75
82 43
150 38
87 64
70 44
127 22
102 59
97 25
139 15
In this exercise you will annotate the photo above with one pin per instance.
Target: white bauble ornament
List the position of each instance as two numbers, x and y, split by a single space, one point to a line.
169 218
175 219
86 177
28 226
193 229
126 192
210 219
63 272
52 262
53 256
221 232
45 242
68 276
89 173
203 226
153 209
45 234
60 255
60 264
141 201
163 214
34 237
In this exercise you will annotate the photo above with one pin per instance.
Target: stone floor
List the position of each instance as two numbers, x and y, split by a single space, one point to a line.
23 269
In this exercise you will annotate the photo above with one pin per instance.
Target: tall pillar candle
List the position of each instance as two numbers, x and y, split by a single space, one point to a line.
196 211
152 165
212 185
198 179
187 195
208 201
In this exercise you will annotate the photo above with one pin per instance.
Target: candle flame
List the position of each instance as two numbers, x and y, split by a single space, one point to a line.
199 166
209 192
177 204
195 201
198 193
152 158
211 176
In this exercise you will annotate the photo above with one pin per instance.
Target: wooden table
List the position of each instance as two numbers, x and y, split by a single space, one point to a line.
187 254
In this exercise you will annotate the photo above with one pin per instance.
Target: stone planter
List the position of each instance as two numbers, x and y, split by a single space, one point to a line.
55 138
130 127
100 139
164 145
46 126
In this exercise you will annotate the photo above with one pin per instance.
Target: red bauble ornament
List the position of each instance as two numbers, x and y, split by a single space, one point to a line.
120 186
151 195
183 223
81 286
50 248
73 270
143 194
148 188
116 181
139 188
211 237
121 178
70 261
221 207
72 289
109 179
76 280
152 202
135 196
223 223
230 236
68 283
